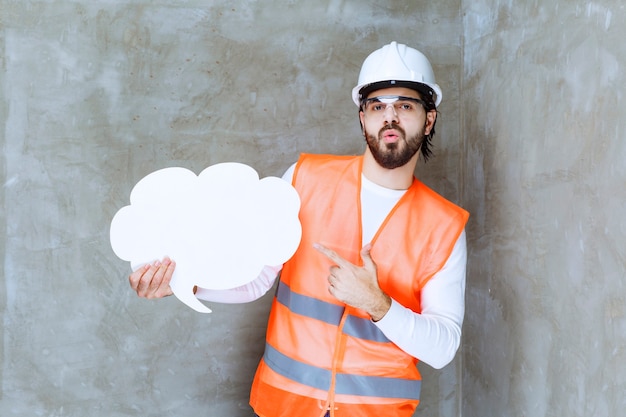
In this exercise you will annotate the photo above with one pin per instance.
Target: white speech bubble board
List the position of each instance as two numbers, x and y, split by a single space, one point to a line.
220 227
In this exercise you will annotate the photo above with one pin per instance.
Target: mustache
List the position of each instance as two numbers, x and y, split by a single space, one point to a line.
391 126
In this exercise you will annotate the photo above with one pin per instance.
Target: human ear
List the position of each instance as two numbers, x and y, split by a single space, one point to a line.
361 120
431 116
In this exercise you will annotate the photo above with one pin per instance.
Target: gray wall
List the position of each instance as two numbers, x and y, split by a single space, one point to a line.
545 178
96 95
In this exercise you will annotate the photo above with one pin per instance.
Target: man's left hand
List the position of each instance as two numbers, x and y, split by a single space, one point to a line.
356 285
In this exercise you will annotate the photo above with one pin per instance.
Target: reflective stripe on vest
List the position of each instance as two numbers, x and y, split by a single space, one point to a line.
328 313
346 384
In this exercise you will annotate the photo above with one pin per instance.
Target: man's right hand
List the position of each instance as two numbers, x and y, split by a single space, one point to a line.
153 280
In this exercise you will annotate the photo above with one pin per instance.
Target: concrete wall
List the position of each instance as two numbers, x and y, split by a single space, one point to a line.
544 125
96 95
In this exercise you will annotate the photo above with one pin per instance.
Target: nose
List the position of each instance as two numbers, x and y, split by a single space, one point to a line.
390 114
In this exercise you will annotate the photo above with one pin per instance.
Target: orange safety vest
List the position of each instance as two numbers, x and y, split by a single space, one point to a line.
321 354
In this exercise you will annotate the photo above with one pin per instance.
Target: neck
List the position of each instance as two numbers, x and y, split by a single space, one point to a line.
399 178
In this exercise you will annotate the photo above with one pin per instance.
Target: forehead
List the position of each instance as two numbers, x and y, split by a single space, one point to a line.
394 91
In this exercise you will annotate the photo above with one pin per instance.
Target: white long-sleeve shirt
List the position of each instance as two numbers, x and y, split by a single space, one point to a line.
433 336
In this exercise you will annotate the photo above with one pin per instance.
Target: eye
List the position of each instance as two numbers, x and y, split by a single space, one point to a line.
375 106
405 106
378 107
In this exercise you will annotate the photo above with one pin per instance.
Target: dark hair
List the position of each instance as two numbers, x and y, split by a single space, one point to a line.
425 93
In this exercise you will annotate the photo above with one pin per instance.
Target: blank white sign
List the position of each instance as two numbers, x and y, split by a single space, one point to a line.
221 227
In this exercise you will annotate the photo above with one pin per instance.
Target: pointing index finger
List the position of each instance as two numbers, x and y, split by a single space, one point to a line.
332 255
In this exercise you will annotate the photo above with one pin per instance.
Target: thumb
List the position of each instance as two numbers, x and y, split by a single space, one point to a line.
368 262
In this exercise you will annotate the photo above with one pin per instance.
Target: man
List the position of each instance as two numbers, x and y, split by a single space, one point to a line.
378 280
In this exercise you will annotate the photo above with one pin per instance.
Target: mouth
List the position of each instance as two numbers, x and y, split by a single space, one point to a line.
390 136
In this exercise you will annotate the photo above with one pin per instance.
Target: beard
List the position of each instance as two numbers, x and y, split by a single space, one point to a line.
397 154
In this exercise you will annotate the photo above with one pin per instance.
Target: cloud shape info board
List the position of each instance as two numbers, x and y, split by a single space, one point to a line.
221 227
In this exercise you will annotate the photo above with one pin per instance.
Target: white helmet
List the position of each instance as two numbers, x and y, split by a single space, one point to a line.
396 65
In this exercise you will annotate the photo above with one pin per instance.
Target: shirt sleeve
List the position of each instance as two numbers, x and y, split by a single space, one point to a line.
246 293
434 335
